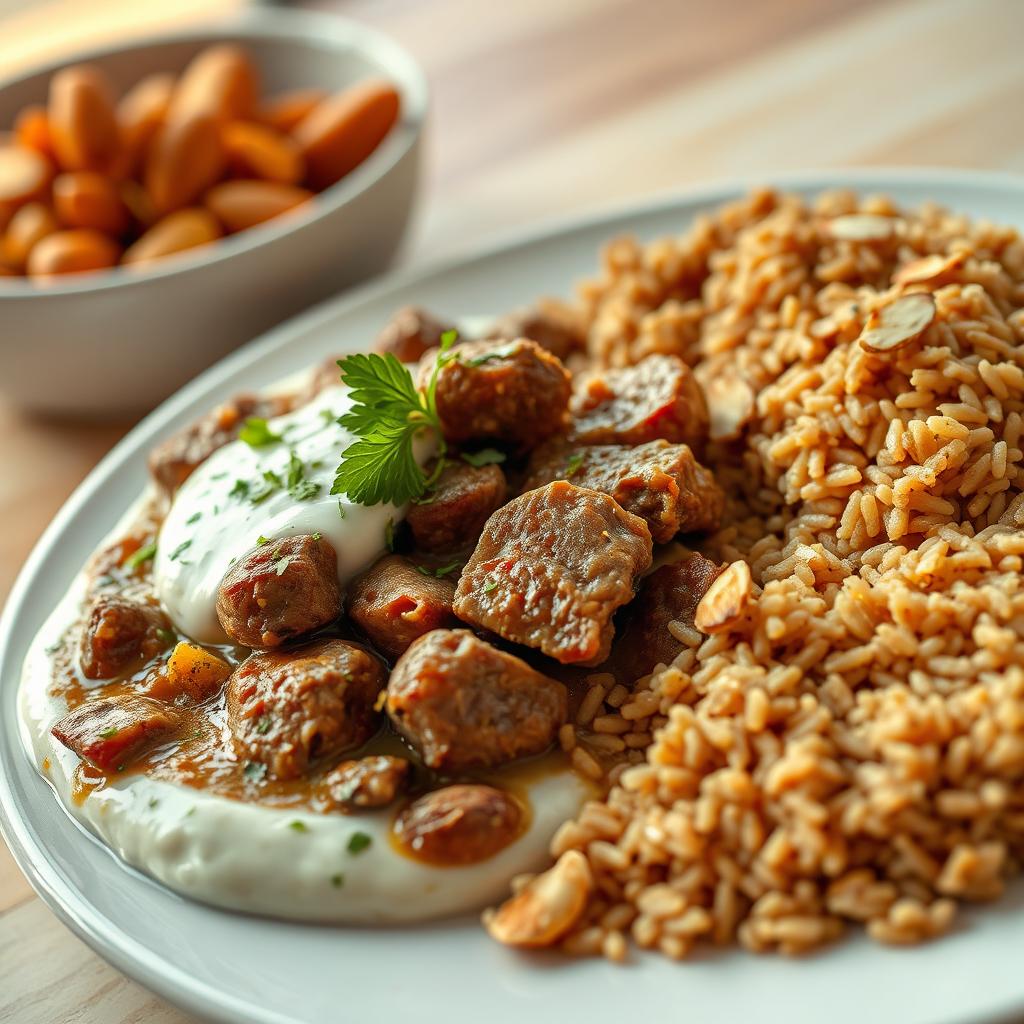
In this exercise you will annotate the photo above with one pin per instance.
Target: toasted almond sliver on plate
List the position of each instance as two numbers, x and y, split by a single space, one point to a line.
546 907
731 404
726 600
862 227
928 267
896 325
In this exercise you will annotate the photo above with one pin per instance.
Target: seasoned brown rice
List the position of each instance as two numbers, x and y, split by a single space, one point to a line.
851 747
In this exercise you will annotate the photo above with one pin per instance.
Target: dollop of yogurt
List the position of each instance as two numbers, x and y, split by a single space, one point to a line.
240 494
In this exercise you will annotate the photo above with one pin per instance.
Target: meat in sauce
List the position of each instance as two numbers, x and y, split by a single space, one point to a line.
409 334
510 392
461 824
368 782
394 603
661 483
120 635
112 732
457 507
552 568
658 398
552 325
172 461
464 704
669 594
287 709
280 590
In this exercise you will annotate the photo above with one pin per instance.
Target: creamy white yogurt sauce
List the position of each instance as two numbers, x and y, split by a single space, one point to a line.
218 515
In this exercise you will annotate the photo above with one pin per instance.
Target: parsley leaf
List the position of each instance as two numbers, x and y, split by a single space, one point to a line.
387 414
194 518
490 585
573 466
240 489
144 554
261 540
298 826
389 535
254 771
484 457
281 564
358 842
180 550
109 733
337 880
257 434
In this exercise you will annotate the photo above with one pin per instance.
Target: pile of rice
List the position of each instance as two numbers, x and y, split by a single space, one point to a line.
851 750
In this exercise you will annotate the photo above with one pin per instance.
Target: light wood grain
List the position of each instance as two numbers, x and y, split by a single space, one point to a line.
544 108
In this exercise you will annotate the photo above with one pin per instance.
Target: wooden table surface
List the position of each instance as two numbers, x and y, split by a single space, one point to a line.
541 108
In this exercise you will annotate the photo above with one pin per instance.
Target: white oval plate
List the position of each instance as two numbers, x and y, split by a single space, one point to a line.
247 970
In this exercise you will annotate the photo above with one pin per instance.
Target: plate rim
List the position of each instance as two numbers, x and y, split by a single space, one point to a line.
72 907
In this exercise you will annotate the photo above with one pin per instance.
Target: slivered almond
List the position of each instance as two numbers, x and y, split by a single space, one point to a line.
731 404
545 908
928 268
726 600
862 227
896 325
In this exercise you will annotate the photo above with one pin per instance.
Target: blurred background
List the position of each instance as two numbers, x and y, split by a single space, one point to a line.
541 109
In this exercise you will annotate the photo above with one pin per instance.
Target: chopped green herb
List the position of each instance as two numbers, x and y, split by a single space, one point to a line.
265 488
341 509
387 414
257 433
217 476
254 771
198 734
108 733
240 489
180 550
263 725
389 535
492 585
282 564
190 811
121 767
261 540
144 554
487 357
317 535
440 571
167 636
328 416
573 466
194 518
298 826
484 457
358 842
338 880
152 802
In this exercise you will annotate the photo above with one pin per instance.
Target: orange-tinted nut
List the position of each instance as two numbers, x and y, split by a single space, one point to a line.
340 133
139 204
255 151
24 175
72 252
83 122
178 231
242 204
284 111
84 199
32 223
185 159
32 130
141 112
221 82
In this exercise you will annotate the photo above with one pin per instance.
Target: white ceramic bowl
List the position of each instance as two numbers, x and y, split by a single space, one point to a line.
120 341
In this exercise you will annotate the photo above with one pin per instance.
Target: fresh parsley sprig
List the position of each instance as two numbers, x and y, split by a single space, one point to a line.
388 413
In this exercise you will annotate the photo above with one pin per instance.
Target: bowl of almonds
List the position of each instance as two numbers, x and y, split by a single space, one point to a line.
164 201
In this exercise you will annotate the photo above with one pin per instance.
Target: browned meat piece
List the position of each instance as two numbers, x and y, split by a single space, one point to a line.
368 782
658 398
550 570
113 732
459 824
393 604
279 591
661 483
670 594
507 391
409 334
288 708
464 704
119 636
551 324
458 507
172 461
